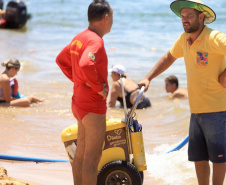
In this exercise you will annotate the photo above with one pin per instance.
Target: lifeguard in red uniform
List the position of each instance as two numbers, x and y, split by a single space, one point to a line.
84 62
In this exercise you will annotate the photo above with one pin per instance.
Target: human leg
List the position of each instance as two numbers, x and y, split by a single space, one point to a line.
197 150
202 172
214 128
22 102
25 102
79 154
219 170
95 128
34 99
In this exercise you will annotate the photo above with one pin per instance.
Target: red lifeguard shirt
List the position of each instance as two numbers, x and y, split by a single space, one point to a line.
84 61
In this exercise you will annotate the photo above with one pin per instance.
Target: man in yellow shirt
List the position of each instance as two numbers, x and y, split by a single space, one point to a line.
204 53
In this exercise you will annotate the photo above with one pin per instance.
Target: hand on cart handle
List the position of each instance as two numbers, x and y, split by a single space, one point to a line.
145 82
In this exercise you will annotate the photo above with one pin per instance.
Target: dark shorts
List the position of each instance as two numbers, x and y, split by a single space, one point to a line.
2 101
207 137
144 104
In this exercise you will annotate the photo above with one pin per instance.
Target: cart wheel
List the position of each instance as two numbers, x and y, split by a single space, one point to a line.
119 173
142 176
141 172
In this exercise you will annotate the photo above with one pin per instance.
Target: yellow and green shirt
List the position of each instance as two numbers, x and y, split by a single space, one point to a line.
205 61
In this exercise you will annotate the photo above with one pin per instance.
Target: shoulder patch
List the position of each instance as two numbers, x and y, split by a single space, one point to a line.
92 56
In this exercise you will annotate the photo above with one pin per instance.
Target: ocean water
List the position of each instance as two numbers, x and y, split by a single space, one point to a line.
141 33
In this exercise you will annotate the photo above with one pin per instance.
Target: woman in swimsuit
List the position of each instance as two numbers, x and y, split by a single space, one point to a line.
6 99
131 89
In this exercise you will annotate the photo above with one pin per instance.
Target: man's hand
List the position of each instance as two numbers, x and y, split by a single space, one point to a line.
222 78
145 82
104 92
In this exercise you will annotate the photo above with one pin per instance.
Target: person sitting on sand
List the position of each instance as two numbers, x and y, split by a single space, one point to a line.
131 89
172 86
9 95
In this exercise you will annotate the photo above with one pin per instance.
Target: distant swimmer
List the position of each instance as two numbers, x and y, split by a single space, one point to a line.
131 89
9 94
172 86
15 16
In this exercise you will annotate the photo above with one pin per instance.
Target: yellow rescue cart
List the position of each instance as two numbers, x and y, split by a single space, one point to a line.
123 157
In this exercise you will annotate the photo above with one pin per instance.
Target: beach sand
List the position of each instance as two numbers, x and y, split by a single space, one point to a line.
7 180
35 173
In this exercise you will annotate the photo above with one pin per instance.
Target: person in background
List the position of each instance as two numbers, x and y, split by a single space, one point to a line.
204 51
1 5
2 13
84 61
172 86
131 89
14 16
9 94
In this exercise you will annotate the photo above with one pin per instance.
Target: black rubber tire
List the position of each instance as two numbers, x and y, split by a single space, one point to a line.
142 176
141 172
119 173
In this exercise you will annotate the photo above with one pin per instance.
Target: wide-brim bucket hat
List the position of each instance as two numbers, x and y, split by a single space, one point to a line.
178 5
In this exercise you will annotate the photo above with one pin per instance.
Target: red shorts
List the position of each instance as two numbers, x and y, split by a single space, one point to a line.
79 113
85 101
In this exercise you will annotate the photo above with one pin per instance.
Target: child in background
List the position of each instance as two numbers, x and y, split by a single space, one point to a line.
9 94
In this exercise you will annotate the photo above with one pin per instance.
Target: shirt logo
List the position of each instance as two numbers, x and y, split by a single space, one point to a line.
77 42
202 58
92 56
74 52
